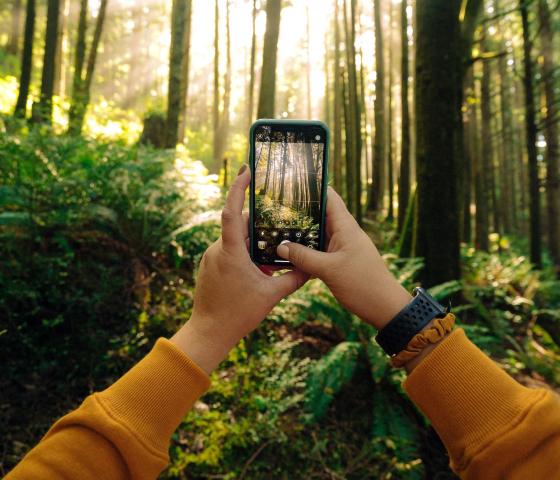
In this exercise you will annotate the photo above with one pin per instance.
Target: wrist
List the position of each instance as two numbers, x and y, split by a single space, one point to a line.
205 349
395 298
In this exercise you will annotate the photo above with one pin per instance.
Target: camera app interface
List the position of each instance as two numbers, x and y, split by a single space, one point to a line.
288 180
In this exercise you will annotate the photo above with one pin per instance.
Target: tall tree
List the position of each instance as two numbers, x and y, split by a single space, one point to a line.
42 111
270 49
338 99
404 170
486 186
376 191
176 61
390 169
59 67
531 132
185 71
442 56
551 133
353 125
221 115
251 93
308 66
26 59
13 40
81 96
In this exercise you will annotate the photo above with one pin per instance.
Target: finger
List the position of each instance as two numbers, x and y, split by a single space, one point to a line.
245 224
289 282
337 214
303 258
232 219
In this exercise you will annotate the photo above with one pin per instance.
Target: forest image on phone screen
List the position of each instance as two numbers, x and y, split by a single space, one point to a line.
288 179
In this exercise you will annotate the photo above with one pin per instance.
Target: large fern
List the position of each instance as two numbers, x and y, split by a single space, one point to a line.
328 376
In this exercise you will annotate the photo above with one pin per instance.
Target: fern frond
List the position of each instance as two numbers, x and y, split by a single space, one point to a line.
328 376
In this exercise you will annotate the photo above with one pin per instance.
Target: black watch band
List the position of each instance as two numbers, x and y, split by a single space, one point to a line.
423 308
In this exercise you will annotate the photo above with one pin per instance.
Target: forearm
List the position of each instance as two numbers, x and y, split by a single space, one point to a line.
124 431
492 426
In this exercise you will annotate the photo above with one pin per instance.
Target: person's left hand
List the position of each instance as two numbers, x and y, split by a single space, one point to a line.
232 294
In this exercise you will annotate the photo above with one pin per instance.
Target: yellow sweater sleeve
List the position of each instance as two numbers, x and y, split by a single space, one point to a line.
492 427
124 431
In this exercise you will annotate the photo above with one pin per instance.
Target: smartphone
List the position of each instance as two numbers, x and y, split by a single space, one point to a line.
288 161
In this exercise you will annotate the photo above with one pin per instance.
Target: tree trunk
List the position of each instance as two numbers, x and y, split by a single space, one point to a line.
79 59
185 72
270 49
484 174
438 73
42 111
13 41
531 129
508 154
59 68
469 156
216 103
308 66
176 60
251 95
338 99
376 191
83 98
390 176
26 60
404 171
551 134
353 130
221 118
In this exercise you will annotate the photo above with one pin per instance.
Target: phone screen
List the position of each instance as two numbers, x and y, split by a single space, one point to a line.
288 168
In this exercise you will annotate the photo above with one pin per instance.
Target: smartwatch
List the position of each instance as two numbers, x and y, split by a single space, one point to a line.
422 309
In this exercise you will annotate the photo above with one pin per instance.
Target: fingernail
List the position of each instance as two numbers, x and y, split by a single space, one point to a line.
242 169
282 250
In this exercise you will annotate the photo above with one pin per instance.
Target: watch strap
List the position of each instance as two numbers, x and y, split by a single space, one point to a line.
423 308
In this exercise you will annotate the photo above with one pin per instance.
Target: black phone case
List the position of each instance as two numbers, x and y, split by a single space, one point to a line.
324 182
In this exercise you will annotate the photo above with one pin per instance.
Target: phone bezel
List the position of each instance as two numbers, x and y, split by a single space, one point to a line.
324 181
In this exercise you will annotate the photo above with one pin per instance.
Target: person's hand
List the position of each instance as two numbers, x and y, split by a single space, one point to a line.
351 267
232 294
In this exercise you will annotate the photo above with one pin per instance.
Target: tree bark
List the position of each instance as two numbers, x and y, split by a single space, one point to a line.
438 73
376 191
59 67
353 129
483 200
185 70
551 134
79 59
338 99
390 176
176 60
26 60
404 170
270 49
531 129
251 94
42 111
76 122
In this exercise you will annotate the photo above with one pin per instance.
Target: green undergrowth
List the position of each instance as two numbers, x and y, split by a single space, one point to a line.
99 244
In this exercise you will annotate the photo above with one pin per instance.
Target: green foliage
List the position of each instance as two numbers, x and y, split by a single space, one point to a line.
250 405
396 436
328 376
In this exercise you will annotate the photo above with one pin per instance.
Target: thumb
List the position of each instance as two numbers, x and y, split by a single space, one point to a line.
304 258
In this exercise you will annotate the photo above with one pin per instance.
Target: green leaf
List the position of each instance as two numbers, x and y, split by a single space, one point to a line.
328 376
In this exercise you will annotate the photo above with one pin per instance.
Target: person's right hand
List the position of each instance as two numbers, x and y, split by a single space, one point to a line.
351 267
